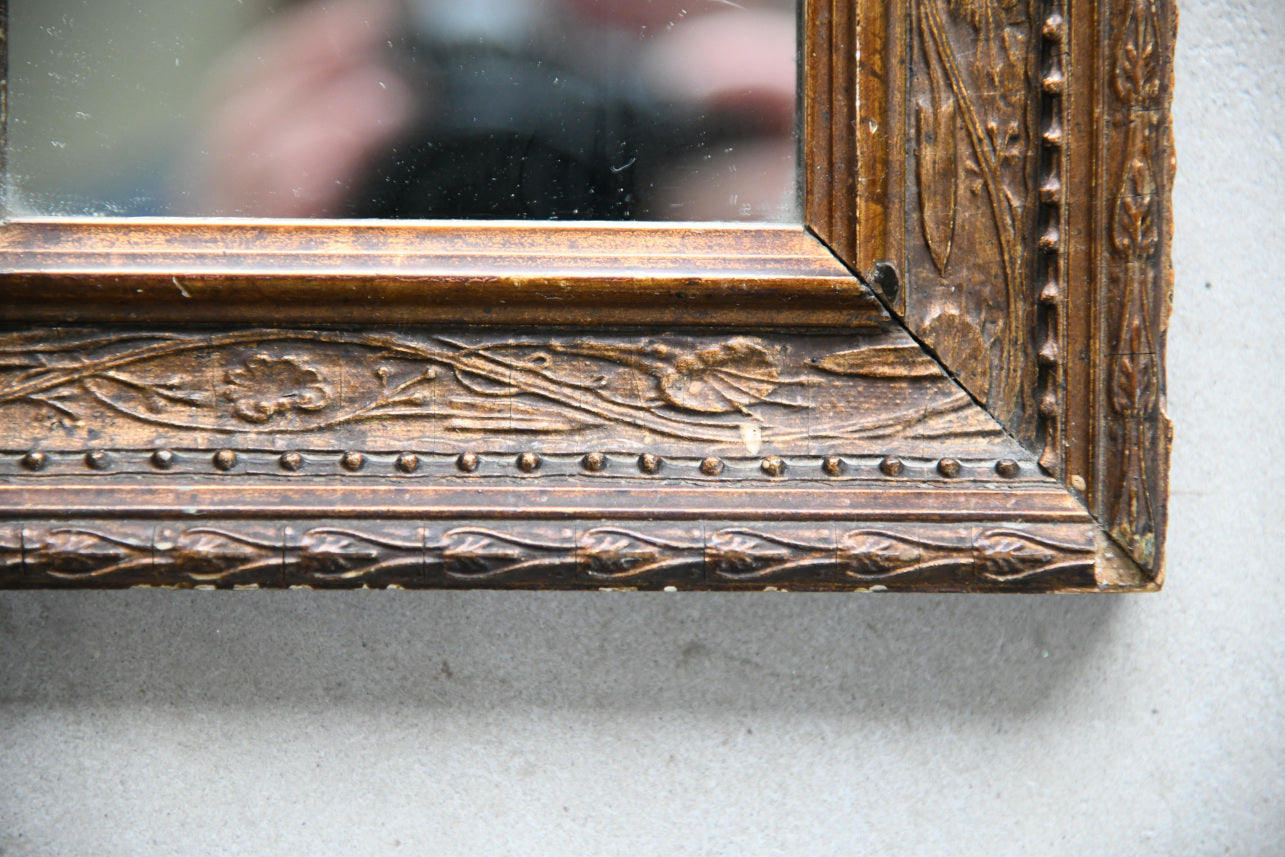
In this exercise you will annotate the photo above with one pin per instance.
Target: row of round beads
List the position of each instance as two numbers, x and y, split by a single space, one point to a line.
527 462
1052 198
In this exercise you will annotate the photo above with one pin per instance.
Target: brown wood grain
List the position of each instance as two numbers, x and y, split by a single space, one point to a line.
555 555
316 272
698 406
1030 167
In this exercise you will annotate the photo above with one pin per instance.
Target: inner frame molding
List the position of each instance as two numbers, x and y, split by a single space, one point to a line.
951 377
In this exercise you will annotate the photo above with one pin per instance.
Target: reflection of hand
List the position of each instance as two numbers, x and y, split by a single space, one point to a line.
298 111
730 62
738 66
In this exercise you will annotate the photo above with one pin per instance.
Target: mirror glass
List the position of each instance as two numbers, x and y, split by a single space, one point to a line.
480 109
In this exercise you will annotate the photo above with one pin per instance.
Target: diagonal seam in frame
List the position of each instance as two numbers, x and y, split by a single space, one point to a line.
1128 570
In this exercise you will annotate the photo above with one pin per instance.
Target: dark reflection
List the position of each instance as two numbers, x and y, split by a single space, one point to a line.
514 128
513 109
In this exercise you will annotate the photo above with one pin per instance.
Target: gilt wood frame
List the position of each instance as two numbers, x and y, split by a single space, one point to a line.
949 378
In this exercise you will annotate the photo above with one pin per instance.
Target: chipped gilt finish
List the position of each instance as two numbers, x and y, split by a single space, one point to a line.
950 378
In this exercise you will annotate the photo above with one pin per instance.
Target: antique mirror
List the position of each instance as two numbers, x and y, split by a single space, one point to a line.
853 295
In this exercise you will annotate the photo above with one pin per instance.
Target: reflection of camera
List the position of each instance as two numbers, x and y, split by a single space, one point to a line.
514 128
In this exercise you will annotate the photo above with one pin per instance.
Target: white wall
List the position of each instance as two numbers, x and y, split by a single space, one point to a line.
533 724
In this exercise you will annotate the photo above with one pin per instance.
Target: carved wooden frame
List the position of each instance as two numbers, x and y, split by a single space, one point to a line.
949 378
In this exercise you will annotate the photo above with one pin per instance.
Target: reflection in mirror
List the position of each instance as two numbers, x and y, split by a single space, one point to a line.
514 109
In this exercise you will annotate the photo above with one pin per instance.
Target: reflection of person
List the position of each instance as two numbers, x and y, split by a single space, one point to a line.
613 108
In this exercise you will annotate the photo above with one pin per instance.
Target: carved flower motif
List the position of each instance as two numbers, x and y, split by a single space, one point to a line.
266 386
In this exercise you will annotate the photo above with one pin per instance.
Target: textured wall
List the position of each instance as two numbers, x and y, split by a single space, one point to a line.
482 723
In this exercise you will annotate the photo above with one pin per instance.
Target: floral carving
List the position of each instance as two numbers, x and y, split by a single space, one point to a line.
723 378
736 391
265 387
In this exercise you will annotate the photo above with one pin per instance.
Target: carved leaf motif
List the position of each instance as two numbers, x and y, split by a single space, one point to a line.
1137 71
1135 231
1005 555
1134 384
214 554
477 553
472 550
1135 391
210 542
616 553
1011 555
874 553
386 552
743 554
937 169
75 552
331 553
881 361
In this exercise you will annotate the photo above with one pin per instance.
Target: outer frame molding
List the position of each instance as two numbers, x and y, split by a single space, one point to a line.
950 379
